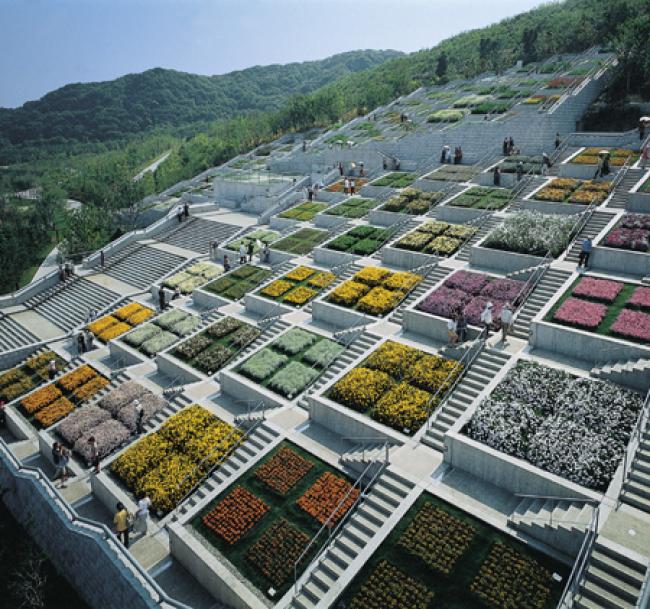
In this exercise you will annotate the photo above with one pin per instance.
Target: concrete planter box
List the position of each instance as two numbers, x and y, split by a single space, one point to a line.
175 369
278 223
339 316
580 171
406 259
109 493
259 305
638 201
431 326
277 256
457 215
9 359
548 207
620 261
330 258
346 422
323 220
377 192
210 571
509 473
583 345
125 353
241 388
501 261
431 185
208 300
379 217
486 178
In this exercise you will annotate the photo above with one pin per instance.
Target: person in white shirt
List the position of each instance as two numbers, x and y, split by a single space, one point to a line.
142 515
452 330
346 186
486 316
506 321
242 253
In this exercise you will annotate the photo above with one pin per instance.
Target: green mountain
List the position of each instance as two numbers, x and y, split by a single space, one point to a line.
159 98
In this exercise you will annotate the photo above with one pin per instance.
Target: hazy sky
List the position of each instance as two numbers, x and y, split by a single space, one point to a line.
45 44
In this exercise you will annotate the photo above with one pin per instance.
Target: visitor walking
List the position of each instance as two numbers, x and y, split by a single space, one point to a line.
585 252
452 329
161 299
102 258
496 176
121 522
179 214
341 169
486 316
81 343
362 169
443 155
266 253
461 326
353 186
186 210
64 459
520 171
242 253
346 186
310 194
214 246
505 146
506 321
89 339
94 453
142 514
557 141
546 160
250 249
511 145
56 460
641 129
176 294
51 369
226 263
139 417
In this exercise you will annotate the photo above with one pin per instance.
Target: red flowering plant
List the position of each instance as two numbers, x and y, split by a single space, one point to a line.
598 289
632 324
580 313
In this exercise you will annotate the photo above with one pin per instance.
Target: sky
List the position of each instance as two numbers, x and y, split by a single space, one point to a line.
45 44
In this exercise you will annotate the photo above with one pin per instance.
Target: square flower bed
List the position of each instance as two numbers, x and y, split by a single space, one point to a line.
167 464
239 282
446 115
361 240
292 362
439 556
603 290
120 321
573 427
374 290
304 211
329 498
632 324
452 173
640 299
436 237
264 546
617 156
339 186
161 333
569 190
631 233
412 201
354 207
396 180
193 276
255 237
532 233
17 381
530 164
479 197
302 241
299 286
214 347
396 385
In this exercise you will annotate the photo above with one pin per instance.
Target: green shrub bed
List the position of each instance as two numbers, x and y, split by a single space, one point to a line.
436 237
412 201
303 212
396 179
302 241
162 332
355 207
451 173
482 198
361 240
239 282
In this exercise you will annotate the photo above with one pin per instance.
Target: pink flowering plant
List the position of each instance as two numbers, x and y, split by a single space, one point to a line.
636 239
640 298
636 221
580 313
598 289
466 281
505 290
632 324
444 302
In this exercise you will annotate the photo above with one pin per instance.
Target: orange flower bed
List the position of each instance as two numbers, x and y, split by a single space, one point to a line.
98 326
235 515
76 378
87 391
114 331
41 398
322 498
283 471
54 412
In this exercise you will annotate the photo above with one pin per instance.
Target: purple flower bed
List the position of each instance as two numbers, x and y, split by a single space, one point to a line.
632 324
443 301
471 283
636 221
474 308
598 289
505 290
637 239
580 313
640 298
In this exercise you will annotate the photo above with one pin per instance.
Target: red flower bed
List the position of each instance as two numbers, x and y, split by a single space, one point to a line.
598 289
283 471
580 313
640 298
235 515
324 495
632 324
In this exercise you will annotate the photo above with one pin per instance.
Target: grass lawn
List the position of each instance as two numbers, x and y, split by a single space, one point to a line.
451 591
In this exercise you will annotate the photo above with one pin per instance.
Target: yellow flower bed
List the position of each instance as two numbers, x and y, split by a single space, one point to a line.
361 388
403 407
77 377
300 295
432 372
101 324
300 273
587 197
114 331
321 280
137 460
372 275
41 398
600 186
393 358
212 444
169 482
87 391
564 183
277 288
551 194
348 293
380 301
140 316
123 313
402 281
54 412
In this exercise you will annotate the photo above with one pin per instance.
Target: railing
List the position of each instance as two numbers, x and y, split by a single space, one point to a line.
252 407
634 441
276 312
340 269
536 276
386 444
644 594
357 326
93 530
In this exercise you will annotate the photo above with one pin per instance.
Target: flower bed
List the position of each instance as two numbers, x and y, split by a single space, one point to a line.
569 190
532 233
370 290
303 212
573 427
168 463
412 201
436 237
214 347
302 241
19 380
470 292
162 332
255 237
438 556
239 282
361 240
452 173
329 498
396 180
354 207
482 198
120 321
530 164
340 185
631 233
193 276
581 314
396 385
640 299
291 362
298 287
446 115
283 471
617 156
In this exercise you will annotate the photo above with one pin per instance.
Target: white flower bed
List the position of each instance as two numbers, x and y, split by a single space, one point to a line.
574 427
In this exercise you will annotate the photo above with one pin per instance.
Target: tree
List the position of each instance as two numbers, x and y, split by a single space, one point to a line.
441 67
87 229
528 44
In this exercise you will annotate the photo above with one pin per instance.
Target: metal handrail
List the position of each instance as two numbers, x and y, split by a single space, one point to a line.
536 276
644 594
634 441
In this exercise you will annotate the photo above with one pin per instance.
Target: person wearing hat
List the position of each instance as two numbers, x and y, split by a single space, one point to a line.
486 316
139 417
506 321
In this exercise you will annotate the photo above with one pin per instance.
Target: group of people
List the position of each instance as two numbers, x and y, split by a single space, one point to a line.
349 186
183 212
457 324
85 341
446 157
65 271
162 297
246 253
352 170
508 147
126 523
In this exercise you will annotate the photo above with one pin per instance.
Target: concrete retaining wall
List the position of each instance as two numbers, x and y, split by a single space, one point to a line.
338 316
548 207
9 359
259 305
241 388
278 223
405 259
175 369
449 213
615 260
501 261
331 258
126 354
379 217
208 300
431 326
323 220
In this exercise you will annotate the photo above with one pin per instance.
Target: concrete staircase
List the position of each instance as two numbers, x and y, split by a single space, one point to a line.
612 580
196 234
484 229
598 221
424 287
143 266
408 226
366 523
548 286
634 373
560 524
636 489
619 199
13 335
69 307
484 369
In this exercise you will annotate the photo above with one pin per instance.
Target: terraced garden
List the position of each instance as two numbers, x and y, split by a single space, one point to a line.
239 281
482 198
120 321
301 242
361 240
412 202
354 207
299 286
436 238
17 381
304 211
162 332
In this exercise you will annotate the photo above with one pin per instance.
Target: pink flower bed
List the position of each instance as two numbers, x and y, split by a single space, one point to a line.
443 302
471 283
503 289
580 313
636 221
636 239
640 298
632 324
598 289
474 308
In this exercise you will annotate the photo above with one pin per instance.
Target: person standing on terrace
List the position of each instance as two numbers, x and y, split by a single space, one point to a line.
94 454
51 369
3 414
121 522
226 264
585 252
641 129
486 316
497 176
346 186
505 146
557 141
461 326
506 321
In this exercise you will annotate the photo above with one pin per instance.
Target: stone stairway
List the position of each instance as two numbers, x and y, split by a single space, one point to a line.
408 226
484 369
484 229
548 286
368 520
560 524
69 307
174 405
598 221
144 266
424 287
13 335
612 580
619 199
631 373
355 351
196 234
267 335
636 489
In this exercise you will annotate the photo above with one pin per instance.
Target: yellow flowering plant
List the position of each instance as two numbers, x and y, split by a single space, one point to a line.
348 293
379 301
277 288
54 412
41 398
77 377
300 295
300 273
123 313
140 316
372 275
361 388
321 280
114 331
101 324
